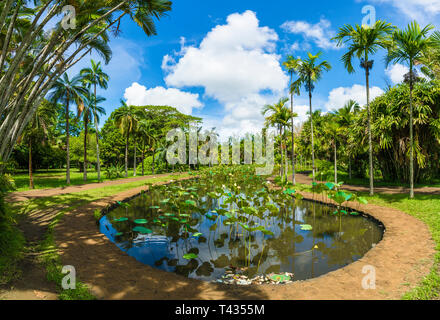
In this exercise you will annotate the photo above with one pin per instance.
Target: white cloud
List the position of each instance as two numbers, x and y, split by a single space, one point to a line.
235 64
138 95
339 96
396 73
319 33
414 9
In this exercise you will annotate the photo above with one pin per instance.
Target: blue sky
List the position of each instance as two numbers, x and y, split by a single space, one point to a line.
220 60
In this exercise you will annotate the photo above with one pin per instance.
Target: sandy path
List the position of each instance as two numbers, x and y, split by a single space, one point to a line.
401 260
305 179
41 193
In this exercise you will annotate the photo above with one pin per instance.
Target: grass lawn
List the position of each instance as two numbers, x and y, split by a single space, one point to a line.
427 209
55 178
46 249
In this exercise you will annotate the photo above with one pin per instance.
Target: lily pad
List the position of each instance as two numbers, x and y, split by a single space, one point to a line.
142 230
190 256
121 220
306 227
198 234
140 221
280 278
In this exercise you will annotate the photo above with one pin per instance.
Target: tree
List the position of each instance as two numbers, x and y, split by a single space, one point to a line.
126 119
94 76
91 110
364 41
67 90
32 59
410 46
38 130
309 72
345 117
291 64
332 129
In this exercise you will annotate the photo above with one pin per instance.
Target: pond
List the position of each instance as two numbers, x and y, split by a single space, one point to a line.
209 228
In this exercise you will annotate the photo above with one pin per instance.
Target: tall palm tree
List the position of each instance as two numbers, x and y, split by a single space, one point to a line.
291 64
333 129
309 72
284 118
91 110
410 46
126 119
67 90
272 120
95 76
364 42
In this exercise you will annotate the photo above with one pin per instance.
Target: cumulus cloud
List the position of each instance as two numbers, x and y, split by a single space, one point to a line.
396 73
414 9
235 63
339 96
319 33
138 95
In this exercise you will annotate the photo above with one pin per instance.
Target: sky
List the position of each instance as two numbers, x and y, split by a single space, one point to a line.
222 60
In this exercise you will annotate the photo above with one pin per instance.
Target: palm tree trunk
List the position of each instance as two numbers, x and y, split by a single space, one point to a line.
411 135
134 159
126 156
98 162
31 177
370 139
67 141
281 151
86 120
143 158
313 138
336 165
293 140
286 162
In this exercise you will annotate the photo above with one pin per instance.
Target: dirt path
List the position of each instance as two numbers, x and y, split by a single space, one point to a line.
42 193
32 284
305 179
401 259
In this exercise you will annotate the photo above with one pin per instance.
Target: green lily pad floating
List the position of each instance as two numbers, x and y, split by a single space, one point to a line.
280 278
198 234
121 220
355 213
142 230
289 192
190 256
306 227
169 214
119 234
140 221
154 207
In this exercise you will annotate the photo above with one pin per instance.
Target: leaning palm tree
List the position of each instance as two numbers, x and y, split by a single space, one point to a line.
126 119
94 76
67 90
364 41
291 64
309 72
410 46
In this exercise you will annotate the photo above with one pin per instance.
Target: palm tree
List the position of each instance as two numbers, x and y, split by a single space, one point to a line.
42 120
91 110
94 76
284 118
272 120
126 119
410 46
309 72
291 64
145 133
67 90
364 42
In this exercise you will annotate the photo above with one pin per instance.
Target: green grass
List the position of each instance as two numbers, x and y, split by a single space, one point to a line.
57 178
49 256
427 209
12 246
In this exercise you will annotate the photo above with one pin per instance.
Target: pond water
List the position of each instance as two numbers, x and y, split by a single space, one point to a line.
194 229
